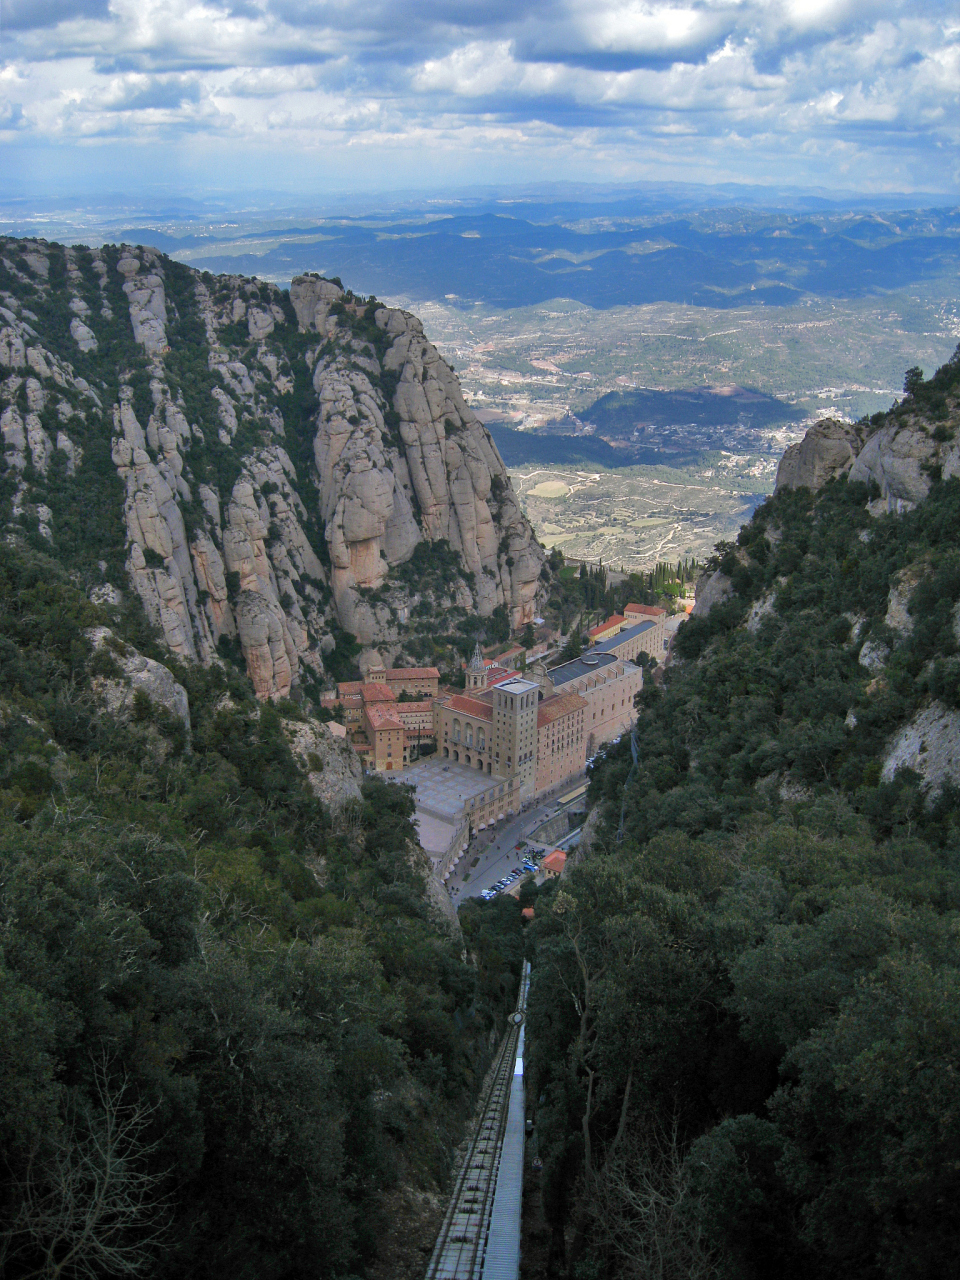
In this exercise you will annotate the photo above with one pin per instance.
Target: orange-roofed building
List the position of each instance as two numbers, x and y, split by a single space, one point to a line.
377 693
553 864
644 611
606 629
386 735
527 913
424 681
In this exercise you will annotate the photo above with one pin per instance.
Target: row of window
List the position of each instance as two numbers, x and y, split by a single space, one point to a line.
466 734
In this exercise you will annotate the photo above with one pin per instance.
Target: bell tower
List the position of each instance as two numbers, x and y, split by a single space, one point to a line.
476 672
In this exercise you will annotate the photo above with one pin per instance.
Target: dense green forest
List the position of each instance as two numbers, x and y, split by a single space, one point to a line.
744 1020
230 1022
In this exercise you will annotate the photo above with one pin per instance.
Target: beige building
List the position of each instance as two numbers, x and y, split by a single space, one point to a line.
416 680
561 740
640 629
372 716
386 736
493 730
607 684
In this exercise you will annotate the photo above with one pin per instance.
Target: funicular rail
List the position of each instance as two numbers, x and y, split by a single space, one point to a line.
463 1241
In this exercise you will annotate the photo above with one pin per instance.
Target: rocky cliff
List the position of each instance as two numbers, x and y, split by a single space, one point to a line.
900 455
899 451
272 473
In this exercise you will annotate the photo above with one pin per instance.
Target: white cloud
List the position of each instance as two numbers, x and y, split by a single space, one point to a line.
746 89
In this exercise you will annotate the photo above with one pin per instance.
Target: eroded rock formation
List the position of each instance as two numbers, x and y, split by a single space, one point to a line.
279 458
828 449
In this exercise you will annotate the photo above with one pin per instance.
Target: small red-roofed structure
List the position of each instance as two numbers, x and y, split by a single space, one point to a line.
553 864
606 629
645 610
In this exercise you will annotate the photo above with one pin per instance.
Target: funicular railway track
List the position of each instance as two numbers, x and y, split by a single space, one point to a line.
481 1227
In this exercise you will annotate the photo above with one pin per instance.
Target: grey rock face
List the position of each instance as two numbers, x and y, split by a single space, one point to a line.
898 616
226 540
761 609
829 449
333 767
874 655
140 675
895 458
440 466
82 335
930 744
711 591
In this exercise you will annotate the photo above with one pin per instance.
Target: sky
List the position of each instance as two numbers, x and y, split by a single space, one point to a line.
314 97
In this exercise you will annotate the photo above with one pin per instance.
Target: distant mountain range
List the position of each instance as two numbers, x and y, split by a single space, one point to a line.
631 254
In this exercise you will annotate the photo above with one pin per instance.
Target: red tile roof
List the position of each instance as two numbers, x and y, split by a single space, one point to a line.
648 610
470 706
555 861
413 673
560 704
497 675
381 718
616 620
378 693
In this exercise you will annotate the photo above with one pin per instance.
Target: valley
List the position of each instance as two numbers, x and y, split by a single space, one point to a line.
638 516
260 551
535 365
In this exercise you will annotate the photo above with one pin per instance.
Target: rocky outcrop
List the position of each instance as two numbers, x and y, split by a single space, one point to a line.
829 449
896 458
898 617
144 289
228 543
711 590
929 744
434 475
874 655
333 767
759 610
138 674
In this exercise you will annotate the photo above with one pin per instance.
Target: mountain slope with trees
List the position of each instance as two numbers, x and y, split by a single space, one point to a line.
237 1035
232 1027
743 1017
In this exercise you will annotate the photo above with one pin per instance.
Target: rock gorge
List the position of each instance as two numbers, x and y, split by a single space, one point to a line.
279 471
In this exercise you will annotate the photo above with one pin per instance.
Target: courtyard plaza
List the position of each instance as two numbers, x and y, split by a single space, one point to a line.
450 795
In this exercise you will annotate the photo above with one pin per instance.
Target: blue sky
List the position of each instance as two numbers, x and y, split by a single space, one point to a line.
313 97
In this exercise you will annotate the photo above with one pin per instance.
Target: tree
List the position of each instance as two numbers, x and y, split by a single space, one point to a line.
913 380
645 1217
91 1206
572 649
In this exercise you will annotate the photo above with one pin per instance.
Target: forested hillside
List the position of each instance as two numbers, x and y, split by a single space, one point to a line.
235 1037
745 1012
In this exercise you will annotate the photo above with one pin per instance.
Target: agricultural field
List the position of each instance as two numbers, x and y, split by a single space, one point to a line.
637 516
